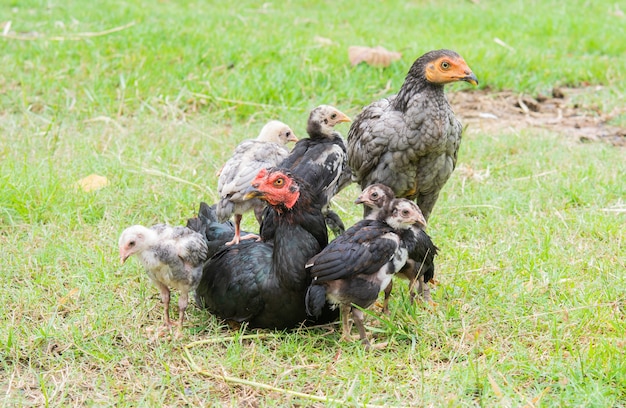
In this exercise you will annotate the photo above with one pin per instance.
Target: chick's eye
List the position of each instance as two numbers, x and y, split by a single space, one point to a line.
288 134
405 213
333 116
131 244
374 195
445 65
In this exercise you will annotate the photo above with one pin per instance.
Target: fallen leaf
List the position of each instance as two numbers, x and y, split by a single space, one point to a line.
376 57
92 182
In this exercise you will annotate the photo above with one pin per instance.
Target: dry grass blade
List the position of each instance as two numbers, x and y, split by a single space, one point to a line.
72 37
154 172
194 366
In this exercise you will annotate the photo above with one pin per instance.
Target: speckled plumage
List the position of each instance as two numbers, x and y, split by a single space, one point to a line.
248 159
421 248
409 141
172 257
321 159
357 265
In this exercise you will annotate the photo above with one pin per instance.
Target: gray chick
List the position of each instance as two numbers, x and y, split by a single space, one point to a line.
173 258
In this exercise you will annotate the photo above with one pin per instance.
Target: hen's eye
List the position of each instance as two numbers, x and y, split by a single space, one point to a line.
279 182
445 65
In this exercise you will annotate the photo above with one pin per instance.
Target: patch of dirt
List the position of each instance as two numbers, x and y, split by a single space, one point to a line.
492 112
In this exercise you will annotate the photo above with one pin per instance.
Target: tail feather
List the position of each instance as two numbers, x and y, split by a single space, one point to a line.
224 209
424 254
315 300
216 233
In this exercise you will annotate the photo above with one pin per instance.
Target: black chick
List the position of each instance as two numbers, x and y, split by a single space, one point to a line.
422 252
355 267
320 161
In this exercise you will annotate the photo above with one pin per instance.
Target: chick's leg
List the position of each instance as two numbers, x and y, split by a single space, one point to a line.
387 291
165 299
357 316
237 238
345 322
183 302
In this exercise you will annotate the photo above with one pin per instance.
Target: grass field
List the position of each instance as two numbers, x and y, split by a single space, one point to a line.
154 95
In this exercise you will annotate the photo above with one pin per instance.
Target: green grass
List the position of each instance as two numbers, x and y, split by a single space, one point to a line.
531 296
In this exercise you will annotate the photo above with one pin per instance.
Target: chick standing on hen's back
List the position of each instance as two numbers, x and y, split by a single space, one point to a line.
172 256
321 162
250 156
410 141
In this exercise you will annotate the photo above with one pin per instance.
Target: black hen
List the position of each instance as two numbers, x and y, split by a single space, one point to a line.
422 251
264 283
322 162
217 234
359 264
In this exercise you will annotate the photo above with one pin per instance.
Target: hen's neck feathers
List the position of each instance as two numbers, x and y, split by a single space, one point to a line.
416 83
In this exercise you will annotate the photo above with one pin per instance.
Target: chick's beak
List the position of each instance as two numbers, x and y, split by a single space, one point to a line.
342 117
419 219
360 200
292 138
123 256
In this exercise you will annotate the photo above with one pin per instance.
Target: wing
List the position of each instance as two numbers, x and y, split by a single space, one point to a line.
423 252
321 163
367 138
249 158
232 281
190 246
362 249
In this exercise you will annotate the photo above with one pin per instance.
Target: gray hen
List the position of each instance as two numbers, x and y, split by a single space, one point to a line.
410 141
